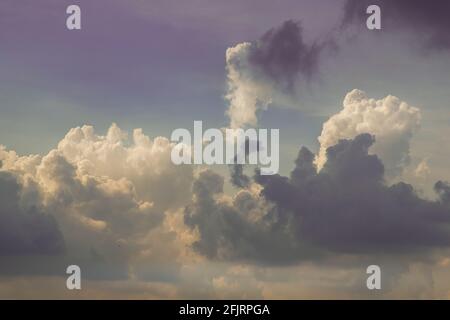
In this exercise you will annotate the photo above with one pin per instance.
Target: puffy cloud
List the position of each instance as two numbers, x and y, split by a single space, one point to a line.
238 227
116 233
145 163
353 211
422 170
109 198
343 209
426 22
392 121
268 70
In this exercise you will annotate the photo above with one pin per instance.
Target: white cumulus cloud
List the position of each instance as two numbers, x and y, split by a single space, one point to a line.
393 123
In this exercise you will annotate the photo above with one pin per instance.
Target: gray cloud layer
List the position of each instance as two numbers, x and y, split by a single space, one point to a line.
282 55
427 20
344 208
113 201
25 230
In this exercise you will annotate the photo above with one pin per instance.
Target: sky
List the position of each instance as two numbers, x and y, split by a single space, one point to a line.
86 176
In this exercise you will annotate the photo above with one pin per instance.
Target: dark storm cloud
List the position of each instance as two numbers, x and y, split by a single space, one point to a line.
237 176
282 55
345 208
25 231
443 190
226 233
427 20
348 208
272 71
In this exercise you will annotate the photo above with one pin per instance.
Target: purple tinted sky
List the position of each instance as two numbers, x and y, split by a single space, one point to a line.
145 59
161 64
141 49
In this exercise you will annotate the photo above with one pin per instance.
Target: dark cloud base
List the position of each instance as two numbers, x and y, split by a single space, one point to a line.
25 230
346 208
428 21
283 56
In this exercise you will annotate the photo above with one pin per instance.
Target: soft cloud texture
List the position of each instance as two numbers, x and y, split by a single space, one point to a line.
25 229
393 122
108 198
344 209
91 211
141 227
268 70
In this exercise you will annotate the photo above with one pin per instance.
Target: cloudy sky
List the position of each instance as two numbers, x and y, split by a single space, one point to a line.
86 176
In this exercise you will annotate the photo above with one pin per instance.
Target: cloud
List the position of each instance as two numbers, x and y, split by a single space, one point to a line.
233 245
344 209
23 229
443 190
236 228
108 197
422 170
272 70
354 211
145 163
391 120
268 70
427 22
237 176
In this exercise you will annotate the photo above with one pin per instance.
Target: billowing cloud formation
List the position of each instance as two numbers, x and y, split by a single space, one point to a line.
145 163
85 206
267 70
109 198
428 22
391 120
237 228
344 208
25 229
